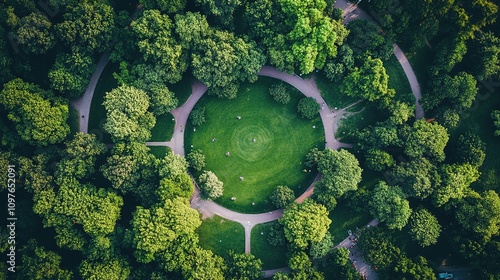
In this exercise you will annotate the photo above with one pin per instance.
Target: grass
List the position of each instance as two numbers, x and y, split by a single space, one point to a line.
182 89
331 93
344 219
163 129
282 139
221 235
478 120
97 111
398 80
272 257
159 151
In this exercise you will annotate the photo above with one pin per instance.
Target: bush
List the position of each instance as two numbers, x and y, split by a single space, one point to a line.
197 116
196 159
282 197
308 107
279 93
210 186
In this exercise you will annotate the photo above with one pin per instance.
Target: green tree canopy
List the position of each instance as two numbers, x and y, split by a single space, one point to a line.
243 266
34 33
389 205
127 114
456 179
308 107
211 187
341 173
305 223
426 139
370 81
39 119
417 178
480 213
424 227
38 263
115 269
196 159
282 197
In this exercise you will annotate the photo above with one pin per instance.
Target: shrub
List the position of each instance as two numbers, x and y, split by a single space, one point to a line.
279 93
197 116
308 107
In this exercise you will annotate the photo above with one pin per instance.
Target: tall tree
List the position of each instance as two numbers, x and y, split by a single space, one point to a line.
114 269
480 213
341 173
34 33
483 57
305 223
89 25
39 119
243 266
211 187
38 263
426 139
389 205
424 227
456 178
127 114
370 81
417 178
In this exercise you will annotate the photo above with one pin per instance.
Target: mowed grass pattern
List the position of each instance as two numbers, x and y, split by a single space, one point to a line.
220 235
267 145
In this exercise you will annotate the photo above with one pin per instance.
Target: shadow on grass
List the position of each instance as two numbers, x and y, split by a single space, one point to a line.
221 235
272 256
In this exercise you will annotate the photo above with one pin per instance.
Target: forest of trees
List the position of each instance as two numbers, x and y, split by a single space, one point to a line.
88 211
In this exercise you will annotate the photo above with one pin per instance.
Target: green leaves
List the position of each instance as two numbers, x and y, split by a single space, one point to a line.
389 205
305 223
211 187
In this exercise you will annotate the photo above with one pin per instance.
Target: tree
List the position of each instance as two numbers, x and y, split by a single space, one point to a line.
282 197
424 227
243 266
305 223
211 187
483 55
155 229
203 264
336 69
39 121
426 139
449 52
339 264
416 268
279 93
71 72
376 245
417 178
365 39
37 263
114 269
197 116
480 213
495 115
163 100
165 6
308 107
470 149
153 32
320 249
276 235
127 115
79 157
456 178
389 205
302 268
196 159
34 33
89 25
341 173
379 160
370 81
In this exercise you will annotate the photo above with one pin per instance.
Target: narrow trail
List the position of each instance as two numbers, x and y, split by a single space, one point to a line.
82 105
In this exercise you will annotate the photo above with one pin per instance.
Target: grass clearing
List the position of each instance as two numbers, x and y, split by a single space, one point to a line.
267 145
163 129
97 111
221 235
182 89
331 93
272 257
478 120
159 151
398 80
344 219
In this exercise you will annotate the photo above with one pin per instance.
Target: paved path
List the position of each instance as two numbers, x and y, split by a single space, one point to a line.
356 256
351 12
82 105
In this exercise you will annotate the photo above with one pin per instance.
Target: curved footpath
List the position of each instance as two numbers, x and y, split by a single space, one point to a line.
308 88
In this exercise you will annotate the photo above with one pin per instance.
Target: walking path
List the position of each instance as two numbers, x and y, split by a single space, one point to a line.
351 12
82 105
329 118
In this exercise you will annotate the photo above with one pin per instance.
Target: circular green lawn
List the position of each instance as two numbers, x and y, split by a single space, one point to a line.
267 145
